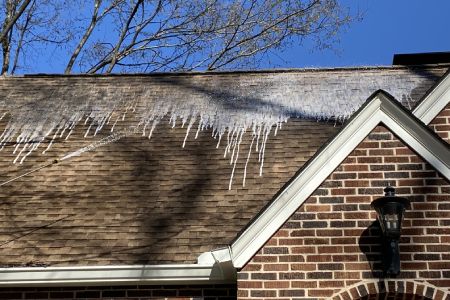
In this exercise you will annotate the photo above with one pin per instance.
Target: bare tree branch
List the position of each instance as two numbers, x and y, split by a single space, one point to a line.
166 35
85 37
122 36
22 30
13 19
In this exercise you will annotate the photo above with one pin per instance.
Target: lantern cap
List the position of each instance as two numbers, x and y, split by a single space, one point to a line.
390 197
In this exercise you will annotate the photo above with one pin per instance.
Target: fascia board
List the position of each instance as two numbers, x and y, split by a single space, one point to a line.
122 275
379 110
293 196
435 101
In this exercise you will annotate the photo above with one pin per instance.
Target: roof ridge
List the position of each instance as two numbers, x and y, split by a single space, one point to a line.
245 71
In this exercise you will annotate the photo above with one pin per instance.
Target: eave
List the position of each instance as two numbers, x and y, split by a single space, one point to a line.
212 268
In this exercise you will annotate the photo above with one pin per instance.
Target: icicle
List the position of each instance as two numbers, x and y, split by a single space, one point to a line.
263 150
200 122
246 162
20 153
191 122
280 97
51 142
235 161
218 141
153 128
29 152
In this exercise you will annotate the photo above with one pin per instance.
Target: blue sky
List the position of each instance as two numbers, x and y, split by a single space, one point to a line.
388 27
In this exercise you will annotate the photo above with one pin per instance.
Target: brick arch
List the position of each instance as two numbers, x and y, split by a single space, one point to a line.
368 289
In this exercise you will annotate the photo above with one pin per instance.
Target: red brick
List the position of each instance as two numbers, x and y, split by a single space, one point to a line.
330 216
343 191
249 284
316 241
303 250
329 232
319 258
347 275
348 168
266 258
356 183
320 293
331 249
370 175
358 199
263 293
281 233
304 267
304 284
345 258
317 208
438 248
349 160
290 241
426 222
425 239
356 215
442 265
242 293
413 265
338 176
404 151
410 182
331 284
330 266
391 144
276 284
276 267
303 232
252 267
360 152
291 258
439 120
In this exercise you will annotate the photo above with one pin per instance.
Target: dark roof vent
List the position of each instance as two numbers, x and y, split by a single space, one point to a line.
429 58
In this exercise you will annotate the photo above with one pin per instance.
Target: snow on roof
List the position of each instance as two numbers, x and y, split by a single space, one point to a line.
231 104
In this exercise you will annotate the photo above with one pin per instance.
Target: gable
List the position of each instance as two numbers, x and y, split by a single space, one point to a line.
333 240
380 108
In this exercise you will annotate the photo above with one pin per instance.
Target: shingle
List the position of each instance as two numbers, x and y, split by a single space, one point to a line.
136 200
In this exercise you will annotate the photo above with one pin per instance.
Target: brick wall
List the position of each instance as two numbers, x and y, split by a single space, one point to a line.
331 246
441 124
212 292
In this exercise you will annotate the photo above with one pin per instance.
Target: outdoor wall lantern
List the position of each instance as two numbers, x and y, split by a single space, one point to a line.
390 210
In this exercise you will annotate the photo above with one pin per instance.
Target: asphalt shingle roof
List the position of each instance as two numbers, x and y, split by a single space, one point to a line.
140 201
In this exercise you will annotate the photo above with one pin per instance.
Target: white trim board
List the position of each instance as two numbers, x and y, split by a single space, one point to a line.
435 101
212 268
380 108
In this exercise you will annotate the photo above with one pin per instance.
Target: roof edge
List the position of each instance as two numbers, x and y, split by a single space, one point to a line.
243 71
218 270
381 107
115 275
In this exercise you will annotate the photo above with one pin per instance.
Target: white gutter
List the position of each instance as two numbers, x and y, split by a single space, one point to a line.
207 271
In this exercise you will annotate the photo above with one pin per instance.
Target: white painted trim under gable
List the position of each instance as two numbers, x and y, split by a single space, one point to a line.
435 101
381 109
212 268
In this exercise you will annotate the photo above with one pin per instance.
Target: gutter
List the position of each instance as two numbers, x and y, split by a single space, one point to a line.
213 267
